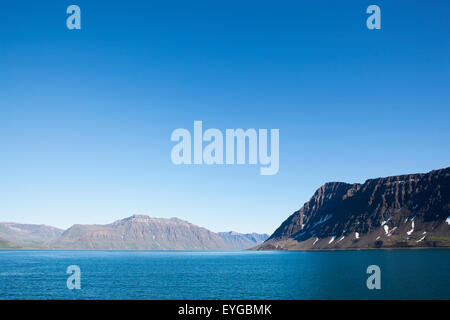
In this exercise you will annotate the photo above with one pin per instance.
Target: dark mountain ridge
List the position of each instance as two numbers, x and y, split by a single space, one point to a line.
399 211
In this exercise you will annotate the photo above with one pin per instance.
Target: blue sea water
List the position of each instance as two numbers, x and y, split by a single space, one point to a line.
405 274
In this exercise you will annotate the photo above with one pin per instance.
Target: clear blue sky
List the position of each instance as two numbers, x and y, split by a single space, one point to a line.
86 116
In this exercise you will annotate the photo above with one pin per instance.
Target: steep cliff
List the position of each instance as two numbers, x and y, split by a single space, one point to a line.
400 211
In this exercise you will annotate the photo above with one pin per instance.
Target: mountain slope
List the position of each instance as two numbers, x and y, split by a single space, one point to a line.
400 211
140 232
242 241
27 235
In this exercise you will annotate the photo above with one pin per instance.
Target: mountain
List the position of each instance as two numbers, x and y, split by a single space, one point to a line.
5 244
395 212
27 235
138 232
242 241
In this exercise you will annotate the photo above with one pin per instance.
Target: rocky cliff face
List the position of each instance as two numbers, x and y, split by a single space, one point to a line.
401 211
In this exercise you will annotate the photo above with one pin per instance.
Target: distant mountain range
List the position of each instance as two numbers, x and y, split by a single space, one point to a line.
395 212
238 240
17 235
138 232
404 211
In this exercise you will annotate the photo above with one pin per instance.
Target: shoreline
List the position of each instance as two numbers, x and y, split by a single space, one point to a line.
240 250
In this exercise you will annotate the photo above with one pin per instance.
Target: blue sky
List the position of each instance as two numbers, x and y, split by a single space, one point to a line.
86 116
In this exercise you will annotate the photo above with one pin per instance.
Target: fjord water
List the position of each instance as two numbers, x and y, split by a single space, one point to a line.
405 274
